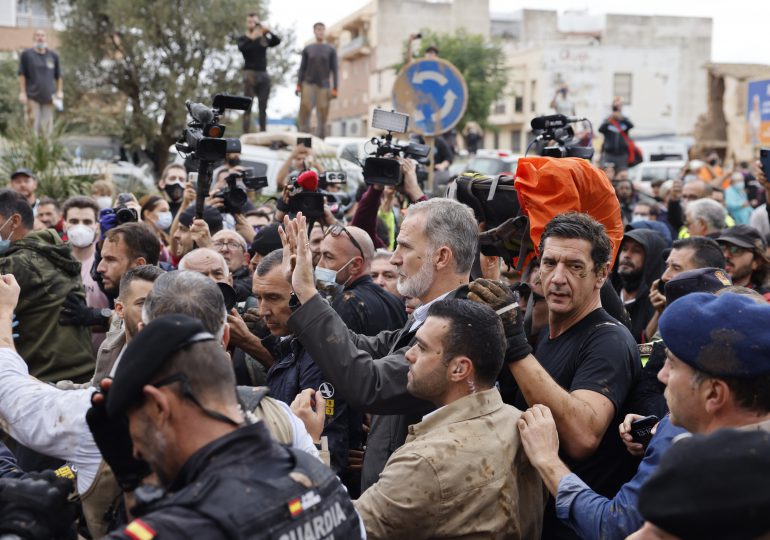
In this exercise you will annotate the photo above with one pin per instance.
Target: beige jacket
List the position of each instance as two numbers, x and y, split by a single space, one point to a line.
462 473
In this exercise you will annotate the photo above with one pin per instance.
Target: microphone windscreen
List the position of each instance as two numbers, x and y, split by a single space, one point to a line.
308 180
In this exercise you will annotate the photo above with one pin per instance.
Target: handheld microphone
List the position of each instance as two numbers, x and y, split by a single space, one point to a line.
308 180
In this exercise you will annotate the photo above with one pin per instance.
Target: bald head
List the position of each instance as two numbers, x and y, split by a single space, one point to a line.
695 189
232 247
348 251
207 262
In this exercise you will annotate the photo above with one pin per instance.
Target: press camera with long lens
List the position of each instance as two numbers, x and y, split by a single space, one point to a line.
203 143
555 137
382 167
236 192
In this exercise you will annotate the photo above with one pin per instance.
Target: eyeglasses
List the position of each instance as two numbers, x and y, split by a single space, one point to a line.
733 250
230 245
336 230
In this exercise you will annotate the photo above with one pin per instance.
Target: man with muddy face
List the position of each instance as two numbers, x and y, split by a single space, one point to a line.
453 364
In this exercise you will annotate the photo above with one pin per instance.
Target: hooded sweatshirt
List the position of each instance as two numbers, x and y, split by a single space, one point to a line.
640 309
47 272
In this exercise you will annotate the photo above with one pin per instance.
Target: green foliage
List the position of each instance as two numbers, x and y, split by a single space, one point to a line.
11 113
481 62
139 60
48 158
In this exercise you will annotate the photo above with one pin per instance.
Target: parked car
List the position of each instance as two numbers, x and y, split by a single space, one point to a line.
493 162
647 171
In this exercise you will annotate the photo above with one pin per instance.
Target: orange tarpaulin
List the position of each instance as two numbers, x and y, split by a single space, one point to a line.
551 186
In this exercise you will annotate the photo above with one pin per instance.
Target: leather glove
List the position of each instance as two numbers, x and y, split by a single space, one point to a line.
114 441
75 312
38 507
499 296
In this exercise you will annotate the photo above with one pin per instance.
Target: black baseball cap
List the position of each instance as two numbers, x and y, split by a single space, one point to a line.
146 355
744 236
23 171
211 216
266 240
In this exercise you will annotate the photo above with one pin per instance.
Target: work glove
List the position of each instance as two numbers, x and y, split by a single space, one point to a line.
75 312
504 301
114 441
37 507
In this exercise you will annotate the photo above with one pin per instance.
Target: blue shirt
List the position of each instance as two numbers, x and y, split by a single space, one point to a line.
592 516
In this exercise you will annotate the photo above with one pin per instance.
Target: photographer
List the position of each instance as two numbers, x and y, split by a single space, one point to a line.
256 81
300 159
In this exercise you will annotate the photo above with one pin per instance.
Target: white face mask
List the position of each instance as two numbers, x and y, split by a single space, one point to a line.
164 220
328 277
104 202
81 235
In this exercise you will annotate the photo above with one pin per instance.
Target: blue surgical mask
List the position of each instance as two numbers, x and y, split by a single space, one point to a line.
5 243
164 220
327 277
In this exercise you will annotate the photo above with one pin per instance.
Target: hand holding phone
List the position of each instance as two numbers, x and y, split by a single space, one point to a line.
641 430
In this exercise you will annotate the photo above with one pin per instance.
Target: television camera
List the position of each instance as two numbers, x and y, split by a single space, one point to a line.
382 167
557 137
203 143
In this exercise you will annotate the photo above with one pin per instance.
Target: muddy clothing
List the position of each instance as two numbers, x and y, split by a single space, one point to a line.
368 309
596 354
369 372
318 64
47 272
462 473
244 485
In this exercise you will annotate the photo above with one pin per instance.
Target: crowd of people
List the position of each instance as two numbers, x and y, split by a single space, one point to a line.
254 373
249 371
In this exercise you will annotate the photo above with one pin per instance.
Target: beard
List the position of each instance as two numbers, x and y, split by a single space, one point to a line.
418 284
631 280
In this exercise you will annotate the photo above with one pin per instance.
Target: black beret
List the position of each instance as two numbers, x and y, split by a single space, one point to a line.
266 241
712 487
699 280
147 354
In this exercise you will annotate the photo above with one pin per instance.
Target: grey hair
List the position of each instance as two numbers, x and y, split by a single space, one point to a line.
710 211
382 254
269 261
198 251
452 224
189 293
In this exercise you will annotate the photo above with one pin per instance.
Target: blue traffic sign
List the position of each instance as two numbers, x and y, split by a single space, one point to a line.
433 92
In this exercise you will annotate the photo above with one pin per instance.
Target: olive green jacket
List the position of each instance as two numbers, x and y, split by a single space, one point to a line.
47 272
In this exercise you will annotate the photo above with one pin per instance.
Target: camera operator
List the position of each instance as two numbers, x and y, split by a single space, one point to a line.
300 159
256 81
368 207
191 232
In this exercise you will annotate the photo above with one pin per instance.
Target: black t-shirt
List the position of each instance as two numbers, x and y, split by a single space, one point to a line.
255 50
597 354
40 73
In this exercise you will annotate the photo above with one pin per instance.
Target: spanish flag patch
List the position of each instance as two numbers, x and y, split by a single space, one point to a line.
295 507
139 530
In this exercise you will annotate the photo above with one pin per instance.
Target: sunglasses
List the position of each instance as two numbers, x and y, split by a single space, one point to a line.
336 230
734 250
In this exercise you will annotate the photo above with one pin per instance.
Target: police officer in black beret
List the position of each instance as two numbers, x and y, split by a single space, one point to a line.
221 476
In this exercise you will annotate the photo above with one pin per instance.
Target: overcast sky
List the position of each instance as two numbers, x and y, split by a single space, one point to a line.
739 33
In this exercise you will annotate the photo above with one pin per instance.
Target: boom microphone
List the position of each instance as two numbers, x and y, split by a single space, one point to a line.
553 121
200 112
